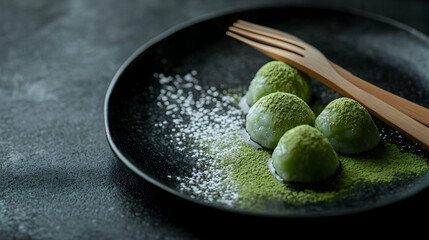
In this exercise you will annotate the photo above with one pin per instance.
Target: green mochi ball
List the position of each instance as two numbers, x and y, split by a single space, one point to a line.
272 115
348 126
277 76
304 155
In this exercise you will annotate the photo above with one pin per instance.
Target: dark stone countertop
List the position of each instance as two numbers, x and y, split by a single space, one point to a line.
58 177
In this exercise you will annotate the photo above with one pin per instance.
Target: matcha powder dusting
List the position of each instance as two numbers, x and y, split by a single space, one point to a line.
255 183
208 126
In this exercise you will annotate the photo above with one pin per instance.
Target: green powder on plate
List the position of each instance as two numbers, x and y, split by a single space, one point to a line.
253 180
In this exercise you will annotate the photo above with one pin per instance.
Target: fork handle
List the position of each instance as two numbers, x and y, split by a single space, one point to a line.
400 121
412 109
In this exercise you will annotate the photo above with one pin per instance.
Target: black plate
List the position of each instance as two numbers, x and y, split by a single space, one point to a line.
144 136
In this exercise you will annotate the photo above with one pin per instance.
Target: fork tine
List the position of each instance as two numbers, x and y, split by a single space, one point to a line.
273 52
269 34
268 30
268 40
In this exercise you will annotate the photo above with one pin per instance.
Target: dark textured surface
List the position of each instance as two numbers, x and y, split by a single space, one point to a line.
59 179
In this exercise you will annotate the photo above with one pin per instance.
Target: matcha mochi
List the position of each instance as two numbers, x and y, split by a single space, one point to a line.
277 76
348 126
272 115
303 154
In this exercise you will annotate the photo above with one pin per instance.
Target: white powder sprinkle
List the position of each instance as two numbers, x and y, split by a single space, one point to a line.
209 118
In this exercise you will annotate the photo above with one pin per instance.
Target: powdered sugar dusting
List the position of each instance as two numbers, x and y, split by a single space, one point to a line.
206 124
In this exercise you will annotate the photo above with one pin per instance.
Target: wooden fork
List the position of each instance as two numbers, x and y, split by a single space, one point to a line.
303 56
412 109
